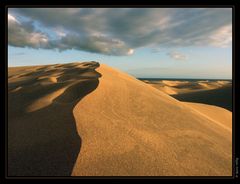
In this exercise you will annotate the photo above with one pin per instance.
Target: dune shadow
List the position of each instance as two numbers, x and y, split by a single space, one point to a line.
221 97
45 142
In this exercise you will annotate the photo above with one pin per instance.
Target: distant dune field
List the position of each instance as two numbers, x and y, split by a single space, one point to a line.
88 119
221 97
217 93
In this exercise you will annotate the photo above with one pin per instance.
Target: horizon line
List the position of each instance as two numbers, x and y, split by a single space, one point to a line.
182 78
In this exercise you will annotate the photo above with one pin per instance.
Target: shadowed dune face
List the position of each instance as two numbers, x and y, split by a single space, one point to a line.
220 97
123 126
217 93
173 87
42 135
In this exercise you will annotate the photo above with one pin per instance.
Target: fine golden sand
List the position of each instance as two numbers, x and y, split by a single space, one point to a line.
86 119
180 87
212 92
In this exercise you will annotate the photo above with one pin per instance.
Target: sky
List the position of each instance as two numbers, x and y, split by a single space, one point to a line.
144 42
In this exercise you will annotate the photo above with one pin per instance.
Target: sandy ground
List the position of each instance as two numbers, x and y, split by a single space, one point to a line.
218 93
173 87
42 134
83 119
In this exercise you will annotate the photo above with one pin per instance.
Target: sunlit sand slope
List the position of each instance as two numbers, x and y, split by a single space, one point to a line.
130 128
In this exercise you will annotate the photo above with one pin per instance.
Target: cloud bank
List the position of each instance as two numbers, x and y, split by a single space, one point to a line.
23 34
119 31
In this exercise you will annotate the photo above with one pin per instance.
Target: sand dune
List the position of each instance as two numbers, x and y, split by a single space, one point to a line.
173 87
134 129
219 115
218 93
91 120
42 135
221 97
174 83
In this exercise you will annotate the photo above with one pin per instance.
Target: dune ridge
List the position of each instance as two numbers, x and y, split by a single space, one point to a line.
88 119
216 92
133 129
221 97
42 135
183 87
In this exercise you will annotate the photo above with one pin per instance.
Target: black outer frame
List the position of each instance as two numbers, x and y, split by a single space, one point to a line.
150 3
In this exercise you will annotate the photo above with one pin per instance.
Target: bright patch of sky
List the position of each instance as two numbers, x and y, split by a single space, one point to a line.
158 42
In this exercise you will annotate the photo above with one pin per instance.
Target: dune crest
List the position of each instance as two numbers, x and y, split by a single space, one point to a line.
129 128
176 87
86 119
42 135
